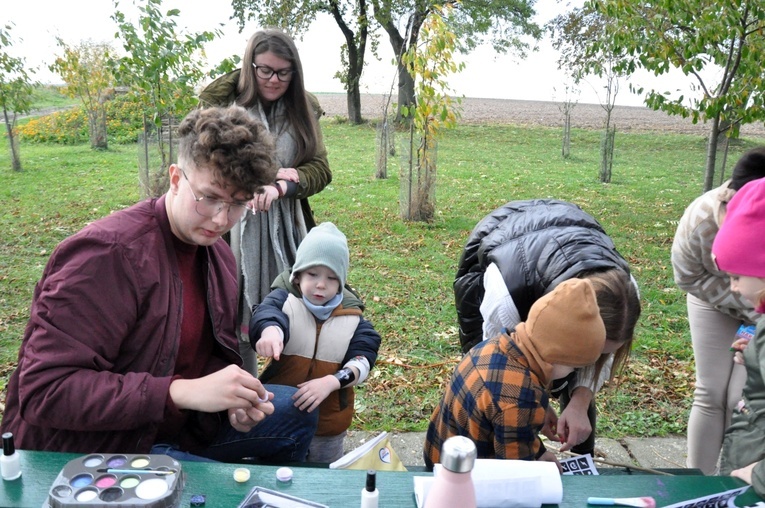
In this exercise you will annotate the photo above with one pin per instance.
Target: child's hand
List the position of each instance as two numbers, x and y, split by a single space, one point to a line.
739 345
312 393
744 334
745 473
270 343
550 427
549 456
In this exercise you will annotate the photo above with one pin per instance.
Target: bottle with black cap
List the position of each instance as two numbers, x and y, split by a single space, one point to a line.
10 463
453 484
370 496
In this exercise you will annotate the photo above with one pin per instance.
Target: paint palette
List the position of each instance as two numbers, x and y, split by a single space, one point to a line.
114 480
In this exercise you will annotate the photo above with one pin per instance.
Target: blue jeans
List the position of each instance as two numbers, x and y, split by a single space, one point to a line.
281 437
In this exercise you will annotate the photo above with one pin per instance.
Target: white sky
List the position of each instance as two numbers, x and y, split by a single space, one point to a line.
487 75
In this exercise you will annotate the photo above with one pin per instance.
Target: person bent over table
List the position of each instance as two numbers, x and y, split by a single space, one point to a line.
498 395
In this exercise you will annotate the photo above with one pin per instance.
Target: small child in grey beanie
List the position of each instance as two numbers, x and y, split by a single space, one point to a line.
324 245
315 337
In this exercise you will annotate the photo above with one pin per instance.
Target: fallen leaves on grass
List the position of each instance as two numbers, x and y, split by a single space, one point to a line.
652 397
660 378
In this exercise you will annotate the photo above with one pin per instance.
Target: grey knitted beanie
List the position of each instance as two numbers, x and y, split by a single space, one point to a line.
324 245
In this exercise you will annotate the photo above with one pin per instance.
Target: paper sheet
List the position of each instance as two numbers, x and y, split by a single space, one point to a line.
719 500
579 465
506 484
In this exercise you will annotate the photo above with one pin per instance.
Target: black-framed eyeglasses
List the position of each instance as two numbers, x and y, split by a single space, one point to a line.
265 72
209 207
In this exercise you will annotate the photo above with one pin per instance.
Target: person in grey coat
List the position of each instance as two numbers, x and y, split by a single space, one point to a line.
715 314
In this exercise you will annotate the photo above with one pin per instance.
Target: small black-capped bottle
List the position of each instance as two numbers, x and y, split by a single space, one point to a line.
10 462
370 496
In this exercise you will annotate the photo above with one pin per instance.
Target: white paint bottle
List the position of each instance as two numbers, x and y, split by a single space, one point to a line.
10 462
370 496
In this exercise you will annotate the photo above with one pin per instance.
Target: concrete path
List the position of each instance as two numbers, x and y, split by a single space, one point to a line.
652 452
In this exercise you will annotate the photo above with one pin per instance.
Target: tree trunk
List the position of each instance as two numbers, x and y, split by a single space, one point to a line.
383 143
97 129
406 96
356 48
709 171
144 170
15 155
724 164
15 158
417 183
353 79
354 100
566 148
607 148
607 154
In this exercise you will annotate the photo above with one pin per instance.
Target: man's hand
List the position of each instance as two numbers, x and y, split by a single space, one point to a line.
229 388
312 393
271 343
244 419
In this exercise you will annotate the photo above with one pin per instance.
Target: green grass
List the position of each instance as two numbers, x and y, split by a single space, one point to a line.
405 271
50 96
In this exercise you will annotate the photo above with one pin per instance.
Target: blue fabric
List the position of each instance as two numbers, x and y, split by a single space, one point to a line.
281 437
322 312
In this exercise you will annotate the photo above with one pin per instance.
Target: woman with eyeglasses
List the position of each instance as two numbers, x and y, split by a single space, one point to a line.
270 86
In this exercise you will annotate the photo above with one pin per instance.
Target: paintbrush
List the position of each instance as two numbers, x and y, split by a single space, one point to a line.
138 471
639 502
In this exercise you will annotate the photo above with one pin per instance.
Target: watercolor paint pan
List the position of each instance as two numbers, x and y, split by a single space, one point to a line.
111 480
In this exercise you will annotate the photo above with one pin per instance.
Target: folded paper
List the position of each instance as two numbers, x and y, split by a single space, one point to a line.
506 484
377 453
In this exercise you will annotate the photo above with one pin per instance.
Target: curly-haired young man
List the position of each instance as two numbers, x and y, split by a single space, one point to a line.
131 344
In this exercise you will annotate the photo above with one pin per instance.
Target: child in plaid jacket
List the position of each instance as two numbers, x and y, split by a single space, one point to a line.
498 393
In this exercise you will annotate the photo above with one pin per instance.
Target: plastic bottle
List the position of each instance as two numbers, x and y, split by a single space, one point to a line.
453 485
10 463
370 496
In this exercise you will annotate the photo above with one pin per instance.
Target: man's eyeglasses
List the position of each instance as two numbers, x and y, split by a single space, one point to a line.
210 207
265 72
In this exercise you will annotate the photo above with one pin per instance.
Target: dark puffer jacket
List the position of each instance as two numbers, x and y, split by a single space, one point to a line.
536 244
